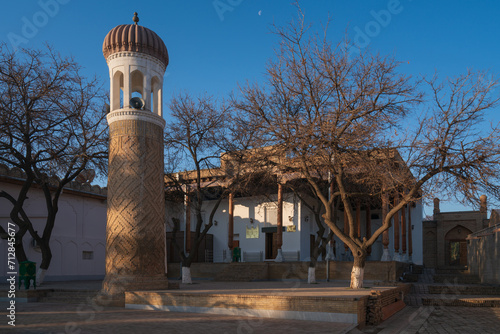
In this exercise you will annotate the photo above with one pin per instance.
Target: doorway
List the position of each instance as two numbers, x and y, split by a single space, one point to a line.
458 253
271 245
456 246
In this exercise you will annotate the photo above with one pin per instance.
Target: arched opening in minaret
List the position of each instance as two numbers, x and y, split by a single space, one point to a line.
156 96
117 91
137 82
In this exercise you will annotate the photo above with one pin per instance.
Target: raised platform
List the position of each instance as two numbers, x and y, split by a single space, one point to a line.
330 302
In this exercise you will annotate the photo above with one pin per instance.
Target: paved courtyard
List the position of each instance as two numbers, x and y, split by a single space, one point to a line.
439 319
44 318
460 320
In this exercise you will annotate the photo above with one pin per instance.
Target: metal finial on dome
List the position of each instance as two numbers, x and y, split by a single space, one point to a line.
135 18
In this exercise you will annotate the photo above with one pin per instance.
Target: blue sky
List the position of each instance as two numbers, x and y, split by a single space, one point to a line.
214 45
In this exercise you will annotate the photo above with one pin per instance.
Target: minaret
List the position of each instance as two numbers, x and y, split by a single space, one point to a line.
135 235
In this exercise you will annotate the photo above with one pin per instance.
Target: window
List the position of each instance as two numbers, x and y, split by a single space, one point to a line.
87 255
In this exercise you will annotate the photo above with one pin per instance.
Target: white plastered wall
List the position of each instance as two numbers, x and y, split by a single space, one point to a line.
80 226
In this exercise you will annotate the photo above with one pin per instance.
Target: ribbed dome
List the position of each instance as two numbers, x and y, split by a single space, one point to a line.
136 38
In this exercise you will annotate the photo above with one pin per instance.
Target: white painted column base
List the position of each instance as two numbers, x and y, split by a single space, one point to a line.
229 257
410 260
397 257
40 276
357 275
186 275
385 255
279 256
311 275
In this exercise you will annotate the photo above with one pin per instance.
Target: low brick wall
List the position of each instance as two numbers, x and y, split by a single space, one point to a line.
383 304
349 310
340 270
198 270
374 270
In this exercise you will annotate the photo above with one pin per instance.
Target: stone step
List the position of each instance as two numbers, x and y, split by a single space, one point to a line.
474 300
452 289
69 296
410 277
449 271
81 293
68 300
456 279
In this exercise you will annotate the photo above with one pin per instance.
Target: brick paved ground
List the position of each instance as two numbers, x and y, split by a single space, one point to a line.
45 318
439 319
436 319
456 319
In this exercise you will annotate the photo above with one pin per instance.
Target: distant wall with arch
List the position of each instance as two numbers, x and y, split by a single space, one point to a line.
445 237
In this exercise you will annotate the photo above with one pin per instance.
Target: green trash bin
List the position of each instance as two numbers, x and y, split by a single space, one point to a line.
236 254
27 272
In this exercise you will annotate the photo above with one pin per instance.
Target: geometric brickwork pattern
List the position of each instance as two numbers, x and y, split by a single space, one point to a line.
135 236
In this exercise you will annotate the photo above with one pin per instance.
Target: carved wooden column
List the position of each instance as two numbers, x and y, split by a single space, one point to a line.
330 253
346 228
385 236
410 241
188 224
396 226
368 222
279 224
230 228
404 256
334 215
358 219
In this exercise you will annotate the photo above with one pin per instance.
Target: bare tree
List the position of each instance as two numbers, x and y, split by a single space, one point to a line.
195 137
52 127
306 194
332 116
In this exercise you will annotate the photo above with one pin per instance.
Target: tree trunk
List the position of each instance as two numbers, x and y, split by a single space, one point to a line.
40 276
186 275
20 253
46 259
46 254
358 270
311 275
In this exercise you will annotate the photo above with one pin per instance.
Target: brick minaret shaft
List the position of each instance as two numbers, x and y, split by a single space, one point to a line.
135 246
